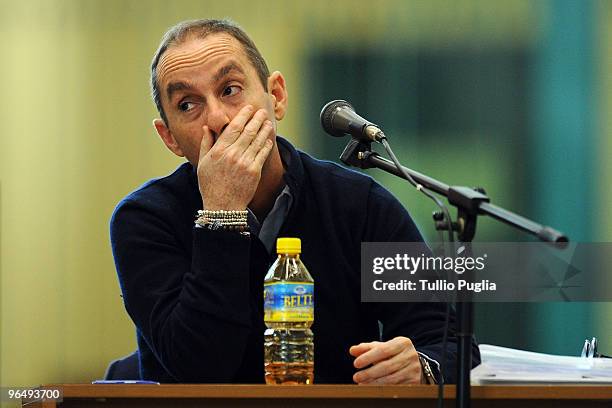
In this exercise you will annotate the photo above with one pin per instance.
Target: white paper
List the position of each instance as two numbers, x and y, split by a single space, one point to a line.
501 365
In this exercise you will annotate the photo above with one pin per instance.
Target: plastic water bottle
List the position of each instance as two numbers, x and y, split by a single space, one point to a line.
288 313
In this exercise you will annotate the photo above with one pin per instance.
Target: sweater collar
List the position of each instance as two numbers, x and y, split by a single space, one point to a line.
294 170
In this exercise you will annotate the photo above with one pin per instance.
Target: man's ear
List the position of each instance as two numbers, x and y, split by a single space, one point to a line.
278 91
167 137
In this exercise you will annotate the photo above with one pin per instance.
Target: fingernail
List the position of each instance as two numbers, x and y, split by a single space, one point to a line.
268 123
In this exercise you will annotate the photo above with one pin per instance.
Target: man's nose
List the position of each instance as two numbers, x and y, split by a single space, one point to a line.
217 118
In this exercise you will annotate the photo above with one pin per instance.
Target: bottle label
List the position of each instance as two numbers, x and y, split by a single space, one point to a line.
288 301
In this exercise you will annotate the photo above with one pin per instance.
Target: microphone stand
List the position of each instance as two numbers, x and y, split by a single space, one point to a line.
470 204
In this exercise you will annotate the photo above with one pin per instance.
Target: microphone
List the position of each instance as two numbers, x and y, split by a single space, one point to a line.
339 118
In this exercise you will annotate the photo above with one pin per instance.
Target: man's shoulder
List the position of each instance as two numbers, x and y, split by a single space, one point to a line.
330 172
343 180
356 197
162 192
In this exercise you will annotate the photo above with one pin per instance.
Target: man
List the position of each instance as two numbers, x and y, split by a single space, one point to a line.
193 284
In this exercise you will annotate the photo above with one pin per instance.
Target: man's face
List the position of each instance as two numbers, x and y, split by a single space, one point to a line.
206 82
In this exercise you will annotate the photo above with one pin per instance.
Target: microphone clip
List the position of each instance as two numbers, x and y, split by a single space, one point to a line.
357 152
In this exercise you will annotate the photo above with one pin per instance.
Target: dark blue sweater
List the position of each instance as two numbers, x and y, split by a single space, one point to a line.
195 295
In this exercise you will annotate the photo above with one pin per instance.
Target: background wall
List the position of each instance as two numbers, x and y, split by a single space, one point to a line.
515 96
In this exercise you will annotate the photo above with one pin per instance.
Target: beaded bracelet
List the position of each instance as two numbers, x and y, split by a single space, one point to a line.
232 220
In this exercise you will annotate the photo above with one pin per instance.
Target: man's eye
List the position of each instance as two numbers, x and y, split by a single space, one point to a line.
185 106
231 90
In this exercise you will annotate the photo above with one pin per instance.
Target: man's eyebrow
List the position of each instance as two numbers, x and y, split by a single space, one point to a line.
174 87
223 71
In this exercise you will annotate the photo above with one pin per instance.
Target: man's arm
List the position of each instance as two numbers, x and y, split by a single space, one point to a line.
408 328
194 313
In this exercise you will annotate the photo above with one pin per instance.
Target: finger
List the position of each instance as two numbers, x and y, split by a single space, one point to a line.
265 132
387 367
235 127
263 154
250 131
207 142
361 348
410 374
383 351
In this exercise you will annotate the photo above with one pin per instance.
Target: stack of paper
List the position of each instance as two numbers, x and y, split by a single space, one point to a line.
501 365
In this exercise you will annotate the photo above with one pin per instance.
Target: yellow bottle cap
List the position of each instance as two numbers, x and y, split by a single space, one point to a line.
288 246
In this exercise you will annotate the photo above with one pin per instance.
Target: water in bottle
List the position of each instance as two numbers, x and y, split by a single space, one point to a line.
288 313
